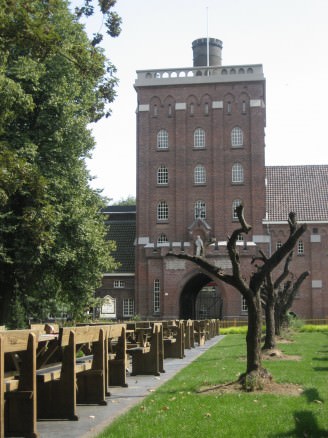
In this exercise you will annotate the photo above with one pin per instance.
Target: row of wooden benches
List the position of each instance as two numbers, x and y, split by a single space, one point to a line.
46 371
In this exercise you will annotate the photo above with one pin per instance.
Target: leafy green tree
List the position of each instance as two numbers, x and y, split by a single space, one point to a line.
130 200
54 82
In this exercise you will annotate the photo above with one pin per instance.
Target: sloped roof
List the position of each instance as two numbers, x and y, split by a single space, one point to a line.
302 189
122 229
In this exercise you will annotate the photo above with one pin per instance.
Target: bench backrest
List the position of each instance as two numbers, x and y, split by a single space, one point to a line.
17 340
44 328
83 334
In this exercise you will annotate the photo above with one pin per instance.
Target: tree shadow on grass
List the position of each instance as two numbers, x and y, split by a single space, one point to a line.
306 425
312 395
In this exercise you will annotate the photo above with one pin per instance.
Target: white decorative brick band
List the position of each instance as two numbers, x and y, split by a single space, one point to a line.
144 107
316 284
217 104
261 238
180 106
143 240
256 103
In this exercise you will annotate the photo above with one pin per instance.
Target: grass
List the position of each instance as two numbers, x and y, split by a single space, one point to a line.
177 410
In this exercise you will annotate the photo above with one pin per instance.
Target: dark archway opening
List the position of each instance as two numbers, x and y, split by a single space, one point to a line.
200 299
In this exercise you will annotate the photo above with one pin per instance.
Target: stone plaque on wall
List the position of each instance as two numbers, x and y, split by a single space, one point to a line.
108 308
175 264
223 262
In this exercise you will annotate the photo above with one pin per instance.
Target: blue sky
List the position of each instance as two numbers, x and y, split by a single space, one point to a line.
289 37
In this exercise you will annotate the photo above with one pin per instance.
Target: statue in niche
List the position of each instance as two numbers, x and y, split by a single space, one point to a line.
199 246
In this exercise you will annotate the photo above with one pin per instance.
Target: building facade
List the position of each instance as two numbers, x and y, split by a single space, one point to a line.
200 153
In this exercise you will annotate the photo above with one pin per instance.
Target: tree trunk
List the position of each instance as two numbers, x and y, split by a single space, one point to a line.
270 331
253 338
277 323
255 374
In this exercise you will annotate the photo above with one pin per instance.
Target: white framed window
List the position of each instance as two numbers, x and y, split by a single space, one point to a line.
229 106
162 175
244 307
191 109
162 211
200 209
237 173
235 204
119 284
237 137
156 295
162 139
278 244
199 174
199 138
128 307
300 247
162 238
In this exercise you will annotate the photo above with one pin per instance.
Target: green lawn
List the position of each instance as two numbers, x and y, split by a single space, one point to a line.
177 410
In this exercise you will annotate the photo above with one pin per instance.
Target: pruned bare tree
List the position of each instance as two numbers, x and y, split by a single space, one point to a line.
275 294
250 289
284 300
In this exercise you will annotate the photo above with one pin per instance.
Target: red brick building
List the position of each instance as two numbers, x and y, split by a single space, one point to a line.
201 152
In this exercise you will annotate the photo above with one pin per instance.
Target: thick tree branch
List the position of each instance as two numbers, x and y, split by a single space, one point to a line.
273 261
285 272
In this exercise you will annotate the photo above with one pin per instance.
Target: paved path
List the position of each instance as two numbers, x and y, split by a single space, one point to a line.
93 419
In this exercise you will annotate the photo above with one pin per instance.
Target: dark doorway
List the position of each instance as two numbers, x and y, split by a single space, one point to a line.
200 299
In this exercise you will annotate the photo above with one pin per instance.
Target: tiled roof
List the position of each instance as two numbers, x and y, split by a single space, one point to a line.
122 229
302 189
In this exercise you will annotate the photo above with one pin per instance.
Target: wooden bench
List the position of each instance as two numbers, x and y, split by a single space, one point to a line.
47 328
116 362
174 339
189 334
18 383
147 355
61 385
116 356
201 331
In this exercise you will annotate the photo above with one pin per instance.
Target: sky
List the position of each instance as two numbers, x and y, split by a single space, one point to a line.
288 37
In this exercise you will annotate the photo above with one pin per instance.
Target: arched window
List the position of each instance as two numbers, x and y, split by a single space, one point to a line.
237 173
162 238
199 175
156 296
235 204
200 210
199 138
162 211
162 175
237 137
162 139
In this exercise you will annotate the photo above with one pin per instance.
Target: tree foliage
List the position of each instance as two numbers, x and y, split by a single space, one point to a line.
53 83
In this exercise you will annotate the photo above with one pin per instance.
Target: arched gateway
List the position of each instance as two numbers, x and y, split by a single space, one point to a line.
200 298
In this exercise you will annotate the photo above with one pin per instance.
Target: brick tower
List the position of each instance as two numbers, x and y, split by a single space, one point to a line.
200 152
